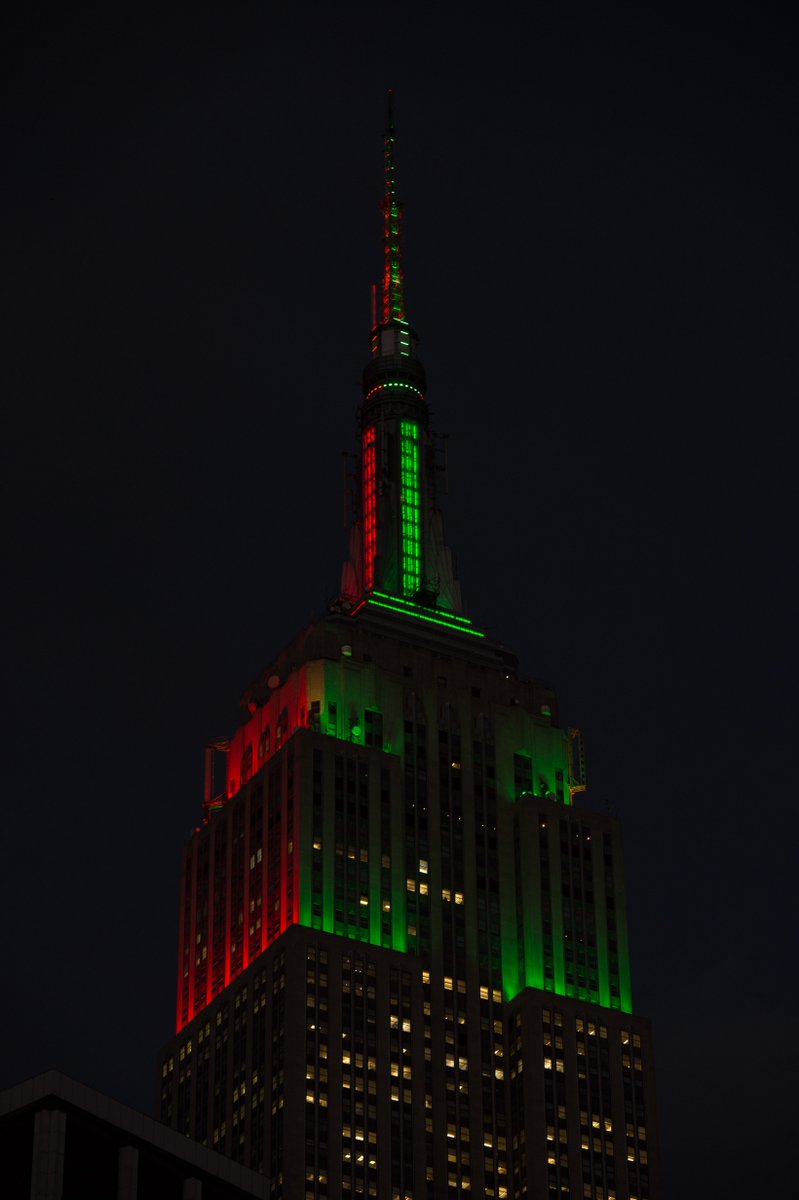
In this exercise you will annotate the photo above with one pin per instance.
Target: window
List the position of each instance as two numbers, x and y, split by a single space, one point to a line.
373 728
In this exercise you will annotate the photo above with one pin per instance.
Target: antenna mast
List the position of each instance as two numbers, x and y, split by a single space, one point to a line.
393 297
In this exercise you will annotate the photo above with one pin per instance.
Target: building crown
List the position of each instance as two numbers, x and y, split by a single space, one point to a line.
398 558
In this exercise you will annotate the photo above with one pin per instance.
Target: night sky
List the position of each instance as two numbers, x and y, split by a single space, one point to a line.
601 262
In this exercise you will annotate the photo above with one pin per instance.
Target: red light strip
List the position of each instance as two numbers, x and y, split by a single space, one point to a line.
369 506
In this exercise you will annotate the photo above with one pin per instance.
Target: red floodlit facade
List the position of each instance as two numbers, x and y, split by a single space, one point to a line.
246 865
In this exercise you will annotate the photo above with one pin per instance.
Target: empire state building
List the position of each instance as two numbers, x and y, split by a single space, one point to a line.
403 964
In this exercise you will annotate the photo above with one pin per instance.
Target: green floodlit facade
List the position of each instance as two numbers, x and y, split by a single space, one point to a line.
404 965
560 919
575 951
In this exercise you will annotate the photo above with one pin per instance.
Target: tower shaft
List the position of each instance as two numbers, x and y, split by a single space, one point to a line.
397 545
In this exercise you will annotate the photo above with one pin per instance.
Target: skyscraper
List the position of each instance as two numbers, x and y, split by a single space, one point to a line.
403 963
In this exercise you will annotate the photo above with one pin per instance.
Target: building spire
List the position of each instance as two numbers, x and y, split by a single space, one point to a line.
393 294
398 557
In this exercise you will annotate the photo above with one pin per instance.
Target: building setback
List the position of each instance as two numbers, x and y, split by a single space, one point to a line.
403 963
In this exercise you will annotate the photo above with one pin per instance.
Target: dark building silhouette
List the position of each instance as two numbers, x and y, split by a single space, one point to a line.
403 966
61 1140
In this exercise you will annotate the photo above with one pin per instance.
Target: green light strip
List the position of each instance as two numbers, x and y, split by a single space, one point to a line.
411 507
423 616
412 608
394 384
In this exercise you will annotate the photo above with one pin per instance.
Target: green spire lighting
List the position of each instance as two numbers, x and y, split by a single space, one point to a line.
411 508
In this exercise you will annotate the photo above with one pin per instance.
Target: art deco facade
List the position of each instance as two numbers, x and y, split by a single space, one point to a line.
403 966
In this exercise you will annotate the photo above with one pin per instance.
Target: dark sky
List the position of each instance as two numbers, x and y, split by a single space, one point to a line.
601 233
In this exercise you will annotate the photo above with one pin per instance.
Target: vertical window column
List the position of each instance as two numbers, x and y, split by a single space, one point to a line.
369 507
555 1104
258 1062
277 1128
219 831
239 1117
410 504
317 867
220 1105
316 1077
635 1115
